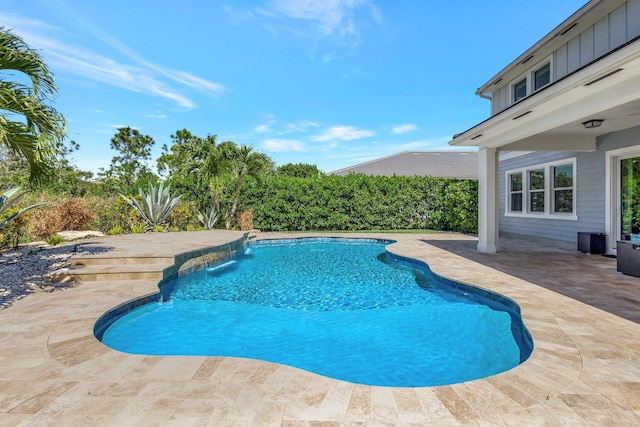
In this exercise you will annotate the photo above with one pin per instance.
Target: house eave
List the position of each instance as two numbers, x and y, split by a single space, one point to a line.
557 112
582 18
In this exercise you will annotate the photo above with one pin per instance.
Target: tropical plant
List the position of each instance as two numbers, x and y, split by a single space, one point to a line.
243 161
29 125
209 218
193 166
7 200
155 206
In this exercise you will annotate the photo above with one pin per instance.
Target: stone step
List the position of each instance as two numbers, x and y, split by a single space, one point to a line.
77 260
92 273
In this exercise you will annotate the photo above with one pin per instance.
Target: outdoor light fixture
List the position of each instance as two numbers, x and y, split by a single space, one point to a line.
595 123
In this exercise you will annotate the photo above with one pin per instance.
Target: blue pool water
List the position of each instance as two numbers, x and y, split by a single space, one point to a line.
342 309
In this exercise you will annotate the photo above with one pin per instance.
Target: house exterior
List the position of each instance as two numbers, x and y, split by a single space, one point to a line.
443 164
560 153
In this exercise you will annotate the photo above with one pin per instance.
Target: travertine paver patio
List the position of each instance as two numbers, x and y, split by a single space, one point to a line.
584 371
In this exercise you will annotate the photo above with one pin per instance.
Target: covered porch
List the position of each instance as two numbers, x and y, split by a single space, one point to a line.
569 115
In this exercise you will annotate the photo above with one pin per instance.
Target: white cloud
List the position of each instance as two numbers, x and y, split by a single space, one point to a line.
282 145
408 127
342 22
302 126
279 128
140 76
343 133
262 128
156 116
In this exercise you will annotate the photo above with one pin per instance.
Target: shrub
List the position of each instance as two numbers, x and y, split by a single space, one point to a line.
360 202
182 215
245 220
115 230
137 229
54 240
63 214
74 214
110 212
15 231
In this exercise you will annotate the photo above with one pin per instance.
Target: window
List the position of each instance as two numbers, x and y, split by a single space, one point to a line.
536 190
520 90
515 192
542 191
535 78
563 189
542 76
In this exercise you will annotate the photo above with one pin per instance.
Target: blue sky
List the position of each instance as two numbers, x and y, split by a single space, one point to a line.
332 83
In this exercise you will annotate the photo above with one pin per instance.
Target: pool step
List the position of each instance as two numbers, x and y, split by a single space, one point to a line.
97 268
109 272
80 260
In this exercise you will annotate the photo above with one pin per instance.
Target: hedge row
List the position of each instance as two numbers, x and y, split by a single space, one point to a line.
361 202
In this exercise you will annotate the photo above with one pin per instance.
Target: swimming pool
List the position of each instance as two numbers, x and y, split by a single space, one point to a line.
346 309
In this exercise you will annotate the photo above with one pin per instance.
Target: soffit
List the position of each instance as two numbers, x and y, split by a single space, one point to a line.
556 114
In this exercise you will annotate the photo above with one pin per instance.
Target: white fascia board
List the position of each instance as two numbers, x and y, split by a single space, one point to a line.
565 101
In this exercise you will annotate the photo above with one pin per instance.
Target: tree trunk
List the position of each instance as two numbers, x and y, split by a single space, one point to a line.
235 204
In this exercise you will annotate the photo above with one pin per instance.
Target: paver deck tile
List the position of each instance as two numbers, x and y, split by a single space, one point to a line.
584 371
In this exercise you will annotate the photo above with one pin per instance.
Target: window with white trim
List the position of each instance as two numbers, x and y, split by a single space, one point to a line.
536 190
520 90
542 76
534 79
546 190
563 189
515 192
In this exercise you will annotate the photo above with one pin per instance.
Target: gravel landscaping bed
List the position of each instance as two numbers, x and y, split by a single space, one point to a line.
28 269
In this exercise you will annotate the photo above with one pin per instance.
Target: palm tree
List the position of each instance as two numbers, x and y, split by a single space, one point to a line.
243 161
29 126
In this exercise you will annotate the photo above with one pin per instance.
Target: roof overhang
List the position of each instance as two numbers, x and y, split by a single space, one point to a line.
584 17
552 119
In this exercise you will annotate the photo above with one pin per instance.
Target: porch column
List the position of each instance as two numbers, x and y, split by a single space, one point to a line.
487 200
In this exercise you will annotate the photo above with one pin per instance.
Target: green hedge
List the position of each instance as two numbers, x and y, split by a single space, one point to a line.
361 202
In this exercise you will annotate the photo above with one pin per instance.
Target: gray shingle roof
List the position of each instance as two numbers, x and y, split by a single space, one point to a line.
445 164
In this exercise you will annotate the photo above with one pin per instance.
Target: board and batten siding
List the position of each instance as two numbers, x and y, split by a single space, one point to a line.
590 189
612 31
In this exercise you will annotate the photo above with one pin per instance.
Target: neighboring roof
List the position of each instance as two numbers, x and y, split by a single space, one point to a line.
444 164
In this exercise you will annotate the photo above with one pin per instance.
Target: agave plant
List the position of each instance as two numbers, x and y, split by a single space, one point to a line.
8 199
155 206
209 218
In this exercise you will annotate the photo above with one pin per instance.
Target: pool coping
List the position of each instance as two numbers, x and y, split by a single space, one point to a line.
584 370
